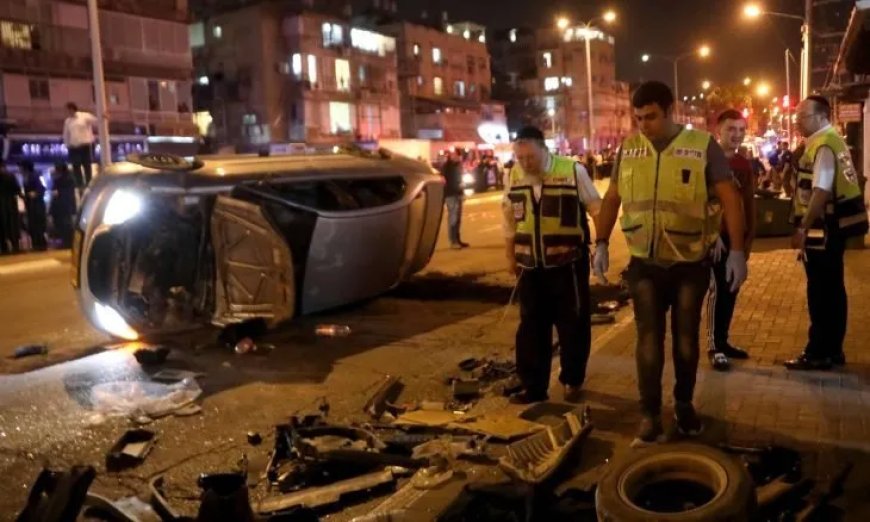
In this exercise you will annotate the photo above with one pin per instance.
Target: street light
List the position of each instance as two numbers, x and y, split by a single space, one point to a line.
754 11
706 85
747 81
762 90
703 51
588 32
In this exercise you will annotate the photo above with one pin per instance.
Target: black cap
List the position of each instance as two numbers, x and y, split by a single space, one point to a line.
530 132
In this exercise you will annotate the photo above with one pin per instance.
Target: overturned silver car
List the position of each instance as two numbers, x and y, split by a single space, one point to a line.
164 244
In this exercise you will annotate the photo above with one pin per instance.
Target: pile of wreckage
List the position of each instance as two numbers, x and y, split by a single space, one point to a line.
438 461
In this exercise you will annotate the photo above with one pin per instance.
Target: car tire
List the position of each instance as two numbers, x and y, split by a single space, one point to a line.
723 489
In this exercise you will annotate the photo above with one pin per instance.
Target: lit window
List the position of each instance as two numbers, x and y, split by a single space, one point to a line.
416 49
459 89
38 89
438 85
16 36
362 73
339 117
297 65
513 35
466 34
342 75
551 83
449 29
419 80
372 42
312 68
481 38
436 55
203 80
217 32
332 34
548 59
567 80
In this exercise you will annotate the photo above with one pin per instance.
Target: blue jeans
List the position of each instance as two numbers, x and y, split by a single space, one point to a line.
454 218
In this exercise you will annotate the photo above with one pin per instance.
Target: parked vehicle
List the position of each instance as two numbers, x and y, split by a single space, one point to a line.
163 244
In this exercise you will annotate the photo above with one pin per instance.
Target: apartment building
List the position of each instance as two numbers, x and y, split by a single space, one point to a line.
45 62
549 67
273 72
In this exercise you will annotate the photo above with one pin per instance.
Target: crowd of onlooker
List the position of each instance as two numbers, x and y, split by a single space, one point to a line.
35 214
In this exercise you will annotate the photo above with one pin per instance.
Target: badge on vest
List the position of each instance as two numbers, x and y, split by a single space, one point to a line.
637 152
689 153
848 169
519 208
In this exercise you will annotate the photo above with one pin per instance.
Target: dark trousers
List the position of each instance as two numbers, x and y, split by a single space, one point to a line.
679 288
826 299
553 296
80 157
454 218
720 305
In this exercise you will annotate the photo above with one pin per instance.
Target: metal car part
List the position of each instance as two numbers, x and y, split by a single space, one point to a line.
322 496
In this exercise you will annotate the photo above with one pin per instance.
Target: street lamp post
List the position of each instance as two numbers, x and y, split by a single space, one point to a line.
99 84
754 11
702 51
588 30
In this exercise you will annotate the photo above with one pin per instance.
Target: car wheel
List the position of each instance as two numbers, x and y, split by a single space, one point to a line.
676 482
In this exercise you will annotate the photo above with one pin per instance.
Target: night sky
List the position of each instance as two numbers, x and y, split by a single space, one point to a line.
740 48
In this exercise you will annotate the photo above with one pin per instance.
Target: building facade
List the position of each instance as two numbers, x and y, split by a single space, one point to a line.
830 18
548 66
445 81
45 62
268 73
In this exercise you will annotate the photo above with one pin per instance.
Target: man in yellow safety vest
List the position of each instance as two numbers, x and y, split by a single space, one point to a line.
673 184
828 208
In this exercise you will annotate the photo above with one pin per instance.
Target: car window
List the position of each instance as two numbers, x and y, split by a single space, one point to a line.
342 194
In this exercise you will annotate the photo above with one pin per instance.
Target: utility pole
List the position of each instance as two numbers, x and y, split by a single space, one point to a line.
807 53
99 84
589 87
788 94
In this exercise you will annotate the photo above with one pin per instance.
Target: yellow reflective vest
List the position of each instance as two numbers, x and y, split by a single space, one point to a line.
845 213
553 231
667 212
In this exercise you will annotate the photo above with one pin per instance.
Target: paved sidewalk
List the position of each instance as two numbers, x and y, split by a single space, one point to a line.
758 402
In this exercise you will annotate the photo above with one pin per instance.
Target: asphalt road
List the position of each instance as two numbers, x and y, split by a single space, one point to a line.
454 309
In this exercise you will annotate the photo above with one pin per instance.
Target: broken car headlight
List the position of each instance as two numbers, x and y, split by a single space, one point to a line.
122 206
111 321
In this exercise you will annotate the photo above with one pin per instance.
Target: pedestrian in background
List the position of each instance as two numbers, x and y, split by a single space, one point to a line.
721 299
666 178
63 203
451 170
34 205
10 221
78 136
547 247
828 209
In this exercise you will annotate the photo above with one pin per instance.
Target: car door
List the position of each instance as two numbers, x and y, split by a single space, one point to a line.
254 266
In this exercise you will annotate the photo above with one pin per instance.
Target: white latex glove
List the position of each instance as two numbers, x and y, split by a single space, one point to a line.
601 262
735 269
718 250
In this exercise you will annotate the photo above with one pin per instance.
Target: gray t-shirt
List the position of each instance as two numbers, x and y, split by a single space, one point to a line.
717 168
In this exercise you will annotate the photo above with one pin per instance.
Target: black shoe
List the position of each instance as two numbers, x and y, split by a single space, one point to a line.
524 397
649 432
688 423
718 360
804 362
573 394
732 352
463 244
839 359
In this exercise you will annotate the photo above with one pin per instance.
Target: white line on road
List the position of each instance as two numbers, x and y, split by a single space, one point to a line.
29 266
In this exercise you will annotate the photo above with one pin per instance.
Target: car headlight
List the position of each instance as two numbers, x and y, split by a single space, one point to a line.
467 179
122 206
111 321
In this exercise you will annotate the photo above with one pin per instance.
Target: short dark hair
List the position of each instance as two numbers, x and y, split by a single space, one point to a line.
653 93
532 133
821 105
729 114
72 106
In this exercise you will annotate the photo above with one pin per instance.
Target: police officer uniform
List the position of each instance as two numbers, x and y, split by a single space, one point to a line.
551 237
845 216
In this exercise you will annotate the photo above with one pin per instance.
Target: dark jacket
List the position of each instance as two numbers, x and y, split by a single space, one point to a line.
452 172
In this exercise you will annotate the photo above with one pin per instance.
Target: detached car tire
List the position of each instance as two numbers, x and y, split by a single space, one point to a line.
717 487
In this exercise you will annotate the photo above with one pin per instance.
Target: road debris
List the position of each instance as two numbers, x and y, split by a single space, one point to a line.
150 355
29 349
254 438
332 330
605 318
128 509
326 495
466 389
58 496
382 399
172 375
130 450
224 498
538 457
143 398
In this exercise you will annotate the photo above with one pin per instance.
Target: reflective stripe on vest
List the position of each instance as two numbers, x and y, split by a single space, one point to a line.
667 213
550 232
846 214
